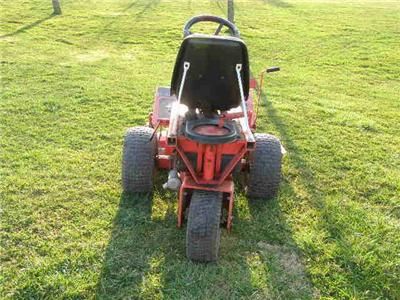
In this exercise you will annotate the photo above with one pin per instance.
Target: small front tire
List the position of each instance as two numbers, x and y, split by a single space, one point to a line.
203 233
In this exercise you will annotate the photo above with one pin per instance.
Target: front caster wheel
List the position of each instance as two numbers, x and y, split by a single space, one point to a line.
203 228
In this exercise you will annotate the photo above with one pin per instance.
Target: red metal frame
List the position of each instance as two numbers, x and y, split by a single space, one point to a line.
209 159
208 173
188 184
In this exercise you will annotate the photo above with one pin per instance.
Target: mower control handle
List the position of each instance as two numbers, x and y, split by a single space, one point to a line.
207 18
272 69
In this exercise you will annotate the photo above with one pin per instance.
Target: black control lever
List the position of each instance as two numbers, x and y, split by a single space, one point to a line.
273 69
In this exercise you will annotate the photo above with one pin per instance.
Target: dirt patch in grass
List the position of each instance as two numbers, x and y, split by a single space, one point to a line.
290 271
92 56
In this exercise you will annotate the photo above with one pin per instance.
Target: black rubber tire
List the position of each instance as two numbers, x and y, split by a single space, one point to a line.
138 160
265 167
203 233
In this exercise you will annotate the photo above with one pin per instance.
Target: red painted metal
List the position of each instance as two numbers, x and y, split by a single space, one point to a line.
250 112
229 116
200 153
213 130
208 172
253 83
188 185
218 157
209 162
165 152
237 149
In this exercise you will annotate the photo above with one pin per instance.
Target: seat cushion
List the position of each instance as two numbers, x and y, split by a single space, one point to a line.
211 82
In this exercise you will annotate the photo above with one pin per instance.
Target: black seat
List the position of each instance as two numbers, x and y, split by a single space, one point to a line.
211 81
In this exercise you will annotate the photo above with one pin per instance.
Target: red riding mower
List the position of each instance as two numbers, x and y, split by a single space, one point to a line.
201 130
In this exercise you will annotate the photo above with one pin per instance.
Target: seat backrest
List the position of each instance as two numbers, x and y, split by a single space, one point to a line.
211 82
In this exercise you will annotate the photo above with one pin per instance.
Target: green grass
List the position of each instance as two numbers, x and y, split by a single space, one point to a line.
71 84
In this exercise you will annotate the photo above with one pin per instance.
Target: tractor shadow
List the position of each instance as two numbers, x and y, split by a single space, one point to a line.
278 3
139 9
145 6
145 256
142 233
28 27
275 264
273 214
301 185
125 259
223 7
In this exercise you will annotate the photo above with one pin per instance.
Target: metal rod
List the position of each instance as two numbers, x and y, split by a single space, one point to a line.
175 111
186 66
244 107
259 92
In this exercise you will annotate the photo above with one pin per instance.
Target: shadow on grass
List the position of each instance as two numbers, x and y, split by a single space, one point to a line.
278 3
356 279
271 235
141 243
141 7
147 5
222 5
145 257
135 239
29 26
130 5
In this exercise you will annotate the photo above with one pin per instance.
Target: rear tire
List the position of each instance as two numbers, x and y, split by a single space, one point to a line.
138 160
265 167
203 232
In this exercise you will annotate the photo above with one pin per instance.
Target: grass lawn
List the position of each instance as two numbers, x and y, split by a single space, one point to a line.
72 84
